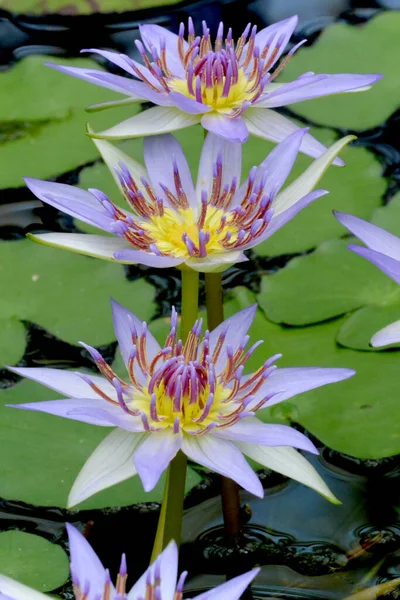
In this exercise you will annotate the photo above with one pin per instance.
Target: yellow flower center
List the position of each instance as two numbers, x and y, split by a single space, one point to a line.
169 231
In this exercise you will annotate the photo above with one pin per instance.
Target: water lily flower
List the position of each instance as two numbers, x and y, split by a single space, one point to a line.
173 223
192 397
383 250
91 581
228 87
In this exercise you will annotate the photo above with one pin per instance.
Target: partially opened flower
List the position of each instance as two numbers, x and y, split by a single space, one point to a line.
192 397
173 223
228 87
91 581
383 250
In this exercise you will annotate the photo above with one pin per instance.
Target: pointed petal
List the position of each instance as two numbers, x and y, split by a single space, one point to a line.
160 154
232 589
167 563
154 455
235 328
386 336
147 258
270 125
113 156
281 219
99 246
152 36
95 411
216 263
224 458
374 237
315 86
156 120
385 263
122 317
282 384
123 85
254 431
309 178
234 129
110 463
125 63
71 200
85 564
66 382
14 590
288 462
276 37
231 154
188 105
277 165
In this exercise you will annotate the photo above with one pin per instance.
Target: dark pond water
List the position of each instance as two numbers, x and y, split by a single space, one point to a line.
322 555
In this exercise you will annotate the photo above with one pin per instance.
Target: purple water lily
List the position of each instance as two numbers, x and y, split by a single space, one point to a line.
228 87
91 581
192 397
383 250
174 223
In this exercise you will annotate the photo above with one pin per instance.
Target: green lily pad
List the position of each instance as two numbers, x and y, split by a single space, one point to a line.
33 561
343 48
358 329
66 293
358 416
356 188
47 137
388 217
79 7
12 341
329 282
43 454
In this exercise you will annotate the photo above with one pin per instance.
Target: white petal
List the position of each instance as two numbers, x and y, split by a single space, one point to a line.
167 562
224 458
156 120
18 591
110 463
99 246
154 455
113 156
309 178
290 463
388 335
270 125
216 263
66 382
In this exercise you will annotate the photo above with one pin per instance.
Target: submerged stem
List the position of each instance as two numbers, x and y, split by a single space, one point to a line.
229 489
171 514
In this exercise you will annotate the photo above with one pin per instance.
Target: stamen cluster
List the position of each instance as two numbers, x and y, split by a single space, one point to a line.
182 388
224 76
170 226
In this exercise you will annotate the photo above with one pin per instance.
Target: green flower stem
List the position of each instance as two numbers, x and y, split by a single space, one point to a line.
229 489
171 514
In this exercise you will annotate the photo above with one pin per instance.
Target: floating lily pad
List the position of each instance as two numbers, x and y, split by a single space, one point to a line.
357 188
42 455
46 137
388 217
358 329
356 416
343 48
66 293
12 341
32 560
79 7
329 282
